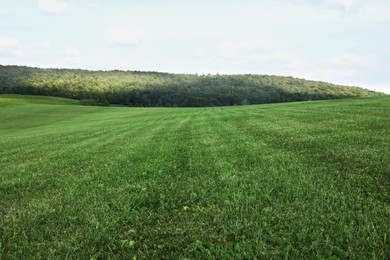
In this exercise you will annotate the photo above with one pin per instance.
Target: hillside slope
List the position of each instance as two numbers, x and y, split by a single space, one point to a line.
33 99
134 88
302 180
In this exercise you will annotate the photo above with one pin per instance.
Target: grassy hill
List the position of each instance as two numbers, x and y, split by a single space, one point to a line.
301 180
31 99
134 88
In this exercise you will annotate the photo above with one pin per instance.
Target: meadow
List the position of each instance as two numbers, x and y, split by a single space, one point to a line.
303 180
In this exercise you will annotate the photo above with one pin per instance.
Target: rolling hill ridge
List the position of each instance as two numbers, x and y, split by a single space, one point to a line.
134 88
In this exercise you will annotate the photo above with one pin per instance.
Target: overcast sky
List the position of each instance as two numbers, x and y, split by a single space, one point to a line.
338 41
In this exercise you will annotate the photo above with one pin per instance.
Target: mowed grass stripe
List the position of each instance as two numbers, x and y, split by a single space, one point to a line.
53 144
282 178
234 182
82 152
351 138
304 179
105 175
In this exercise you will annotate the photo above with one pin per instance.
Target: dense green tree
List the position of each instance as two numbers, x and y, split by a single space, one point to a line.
135 88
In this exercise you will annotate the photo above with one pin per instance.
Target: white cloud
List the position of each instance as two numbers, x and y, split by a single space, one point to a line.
53 6
95 6
78 59
326 73
8 42
128 35
353 60
74 59
253 49
262 58
200 54
344 68
45 44
73 52
9 47
227 50
257 44
346 4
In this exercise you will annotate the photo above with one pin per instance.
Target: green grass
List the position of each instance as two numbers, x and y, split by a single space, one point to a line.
30 99
301 180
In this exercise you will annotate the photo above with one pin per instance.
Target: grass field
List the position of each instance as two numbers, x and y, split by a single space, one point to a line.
307 179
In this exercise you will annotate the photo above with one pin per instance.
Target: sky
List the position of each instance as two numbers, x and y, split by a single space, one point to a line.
338 41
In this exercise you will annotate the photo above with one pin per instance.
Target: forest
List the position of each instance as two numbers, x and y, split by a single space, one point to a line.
136 88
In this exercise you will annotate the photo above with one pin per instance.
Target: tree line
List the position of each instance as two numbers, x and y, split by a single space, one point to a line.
135 88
